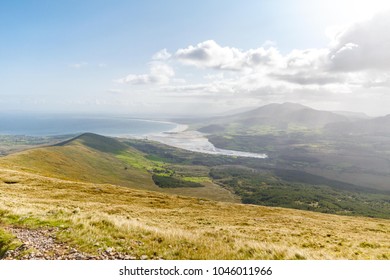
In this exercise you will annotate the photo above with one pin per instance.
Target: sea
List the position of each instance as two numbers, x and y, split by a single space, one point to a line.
53 125
165 132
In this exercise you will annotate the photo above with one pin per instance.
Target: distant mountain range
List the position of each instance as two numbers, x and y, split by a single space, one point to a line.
290 113
292 117
353 115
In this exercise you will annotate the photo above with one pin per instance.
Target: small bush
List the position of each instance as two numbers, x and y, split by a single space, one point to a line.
171 182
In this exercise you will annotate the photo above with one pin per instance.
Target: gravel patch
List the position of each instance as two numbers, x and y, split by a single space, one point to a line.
41 244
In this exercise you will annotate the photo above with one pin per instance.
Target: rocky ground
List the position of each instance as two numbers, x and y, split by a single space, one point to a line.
41 244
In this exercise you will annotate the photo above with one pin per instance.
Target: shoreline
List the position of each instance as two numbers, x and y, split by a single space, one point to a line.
176 135
195 141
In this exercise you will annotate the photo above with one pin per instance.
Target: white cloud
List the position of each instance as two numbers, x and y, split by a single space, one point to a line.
78 65
209 54
212 77
159 74
364 45
309 78
114 90
354 66
297 67
83 64
306 67
361 47
134 79
161 55
314 59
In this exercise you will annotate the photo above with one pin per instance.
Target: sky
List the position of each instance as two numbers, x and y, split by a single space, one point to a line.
193 58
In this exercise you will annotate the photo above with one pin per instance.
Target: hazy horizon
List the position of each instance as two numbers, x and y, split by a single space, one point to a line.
204 58
158 116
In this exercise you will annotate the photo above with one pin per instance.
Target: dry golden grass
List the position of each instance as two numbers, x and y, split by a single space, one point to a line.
97 216
77 162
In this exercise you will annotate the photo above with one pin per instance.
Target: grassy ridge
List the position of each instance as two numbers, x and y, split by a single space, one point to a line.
98 159
152 166
76 161
92 217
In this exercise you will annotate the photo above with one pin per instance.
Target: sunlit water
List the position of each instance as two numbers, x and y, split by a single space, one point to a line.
50 125
165 132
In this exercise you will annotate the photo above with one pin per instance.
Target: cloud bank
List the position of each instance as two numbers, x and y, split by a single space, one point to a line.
363 46
355 64
159 74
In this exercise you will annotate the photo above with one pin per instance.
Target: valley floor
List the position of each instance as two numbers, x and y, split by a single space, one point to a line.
93 218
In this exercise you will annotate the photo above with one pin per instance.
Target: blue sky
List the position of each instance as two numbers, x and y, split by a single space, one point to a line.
144 57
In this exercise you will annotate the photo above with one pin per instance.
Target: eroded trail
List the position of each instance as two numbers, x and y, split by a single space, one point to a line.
42 244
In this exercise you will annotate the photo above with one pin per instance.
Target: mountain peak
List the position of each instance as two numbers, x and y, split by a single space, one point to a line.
282 115
293 105
97 142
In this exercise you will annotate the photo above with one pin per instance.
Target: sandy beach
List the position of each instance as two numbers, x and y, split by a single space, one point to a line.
195 141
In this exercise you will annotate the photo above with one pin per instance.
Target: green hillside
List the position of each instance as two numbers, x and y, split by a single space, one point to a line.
86 158
98 159
151 166
131 199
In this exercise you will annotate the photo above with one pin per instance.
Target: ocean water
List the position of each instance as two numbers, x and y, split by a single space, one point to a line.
50 125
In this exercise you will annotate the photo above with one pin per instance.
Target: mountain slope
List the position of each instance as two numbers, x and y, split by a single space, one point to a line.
86 158
379 126
97 218
286 116
97 142
94 217
99 159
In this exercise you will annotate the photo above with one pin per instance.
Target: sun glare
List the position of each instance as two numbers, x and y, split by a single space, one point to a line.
361 9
